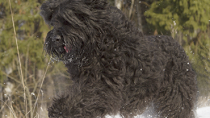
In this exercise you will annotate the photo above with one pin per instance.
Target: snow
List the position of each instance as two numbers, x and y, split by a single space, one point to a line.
203 112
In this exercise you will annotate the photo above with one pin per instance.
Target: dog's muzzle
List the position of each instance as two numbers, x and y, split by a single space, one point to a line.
60 46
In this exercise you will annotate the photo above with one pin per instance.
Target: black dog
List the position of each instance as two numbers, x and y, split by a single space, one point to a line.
114 67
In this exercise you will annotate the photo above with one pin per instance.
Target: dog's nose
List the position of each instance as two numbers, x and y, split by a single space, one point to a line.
56 38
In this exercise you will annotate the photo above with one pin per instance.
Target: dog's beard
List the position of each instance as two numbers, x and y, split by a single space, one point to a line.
56 46
69 50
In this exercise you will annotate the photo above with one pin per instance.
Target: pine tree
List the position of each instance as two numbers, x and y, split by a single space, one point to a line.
186 16
199 54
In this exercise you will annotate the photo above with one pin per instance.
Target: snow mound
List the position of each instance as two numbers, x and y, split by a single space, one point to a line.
203 112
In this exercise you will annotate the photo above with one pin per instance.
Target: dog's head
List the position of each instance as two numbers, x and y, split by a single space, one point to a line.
75 26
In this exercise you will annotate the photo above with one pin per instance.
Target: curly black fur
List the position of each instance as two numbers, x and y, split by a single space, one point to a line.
115 68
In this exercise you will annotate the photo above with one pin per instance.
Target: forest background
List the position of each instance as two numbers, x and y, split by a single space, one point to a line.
29 79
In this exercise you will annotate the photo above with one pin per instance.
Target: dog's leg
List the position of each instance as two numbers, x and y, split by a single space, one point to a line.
137 99
177 98
87 101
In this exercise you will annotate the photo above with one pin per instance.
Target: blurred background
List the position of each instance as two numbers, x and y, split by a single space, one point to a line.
29 83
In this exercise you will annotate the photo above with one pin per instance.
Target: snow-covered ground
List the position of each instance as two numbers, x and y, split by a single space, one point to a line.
203 112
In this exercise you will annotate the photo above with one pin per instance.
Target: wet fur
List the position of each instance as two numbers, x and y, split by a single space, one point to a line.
115 68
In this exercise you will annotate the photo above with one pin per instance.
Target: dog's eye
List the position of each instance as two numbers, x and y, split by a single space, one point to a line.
56 38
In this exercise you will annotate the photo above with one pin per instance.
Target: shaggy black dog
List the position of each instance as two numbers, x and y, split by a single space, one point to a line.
114 67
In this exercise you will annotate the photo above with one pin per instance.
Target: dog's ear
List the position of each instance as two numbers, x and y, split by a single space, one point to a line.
97 4
49 8
74 13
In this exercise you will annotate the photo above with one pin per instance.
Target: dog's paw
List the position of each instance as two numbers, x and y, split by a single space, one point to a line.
59 110
55 113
